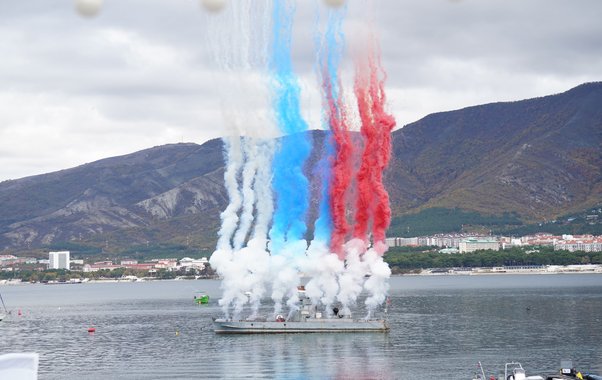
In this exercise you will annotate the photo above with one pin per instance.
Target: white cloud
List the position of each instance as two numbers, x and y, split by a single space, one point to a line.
75 90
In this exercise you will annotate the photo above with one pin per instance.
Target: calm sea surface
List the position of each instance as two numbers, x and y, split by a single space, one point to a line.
441 326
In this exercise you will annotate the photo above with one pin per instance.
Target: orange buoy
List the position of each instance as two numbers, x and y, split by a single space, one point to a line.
91 330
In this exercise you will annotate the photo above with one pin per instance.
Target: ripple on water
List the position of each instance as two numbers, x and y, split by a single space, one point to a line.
438 330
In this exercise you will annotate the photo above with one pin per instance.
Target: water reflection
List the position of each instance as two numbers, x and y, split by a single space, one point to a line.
316 356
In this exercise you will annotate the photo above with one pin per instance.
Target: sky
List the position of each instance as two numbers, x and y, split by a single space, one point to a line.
75 90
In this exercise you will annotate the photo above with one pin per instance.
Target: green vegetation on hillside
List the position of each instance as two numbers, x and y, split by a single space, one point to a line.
442 220
162 251
429 258
582 223
62 275
79 249
138 252
553 228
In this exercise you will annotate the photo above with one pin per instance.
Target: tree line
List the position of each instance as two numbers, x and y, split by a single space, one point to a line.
401 259
62 275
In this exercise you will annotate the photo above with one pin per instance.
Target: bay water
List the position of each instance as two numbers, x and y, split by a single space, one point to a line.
441 326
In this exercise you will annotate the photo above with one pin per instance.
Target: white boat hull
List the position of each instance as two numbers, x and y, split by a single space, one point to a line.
226 326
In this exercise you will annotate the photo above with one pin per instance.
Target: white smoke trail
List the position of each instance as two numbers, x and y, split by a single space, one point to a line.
352 279
243 276
263 189
258 260
238 38
249 172
377 285
323 268
279 268
286 277
221 261
255 255
229 216
259 151
247 284
227 49
254 259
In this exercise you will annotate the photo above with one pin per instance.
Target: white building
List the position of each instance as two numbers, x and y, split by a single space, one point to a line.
59 260
187 263
401 242
591 245
471 245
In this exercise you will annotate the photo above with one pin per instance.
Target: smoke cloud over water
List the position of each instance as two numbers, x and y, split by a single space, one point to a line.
262 250
238 41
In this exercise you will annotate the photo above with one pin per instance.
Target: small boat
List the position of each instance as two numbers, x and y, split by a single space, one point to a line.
515 371
567 371
512 371
201 298
305 320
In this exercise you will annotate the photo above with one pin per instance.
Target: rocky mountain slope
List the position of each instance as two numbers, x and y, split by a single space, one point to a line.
537 158
149 195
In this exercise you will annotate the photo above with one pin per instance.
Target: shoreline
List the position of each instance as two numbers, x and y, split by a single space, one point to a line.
485 271
538 273
480 271
14 282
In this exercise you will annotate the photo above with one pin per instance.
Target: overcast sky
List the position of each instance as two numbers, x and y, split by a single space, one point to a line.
75 90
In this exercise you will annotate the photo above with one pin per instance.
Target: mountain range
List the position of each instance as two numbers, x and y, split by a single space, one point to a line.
535 159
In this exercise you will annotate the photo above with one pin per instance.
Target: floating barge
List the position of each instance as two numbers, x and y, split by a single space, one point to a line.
305 320
326 325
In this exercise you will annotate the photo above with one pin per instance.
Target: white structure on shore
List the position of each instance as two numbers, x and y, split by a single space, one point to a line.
59 260
439 240
589 244
471 245
519 269
187 263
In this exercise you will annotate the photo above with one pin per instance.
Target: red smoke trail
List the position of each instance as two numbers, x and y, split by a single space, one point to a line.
377 124
341 169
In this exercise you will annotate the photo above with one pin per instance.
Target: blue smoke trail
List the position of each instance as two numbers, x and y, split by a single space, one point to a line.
330 51
289 183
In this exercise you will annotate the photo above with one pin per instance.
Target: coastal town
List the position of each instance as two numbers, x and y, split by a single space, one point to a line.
124 269
462 243
128 269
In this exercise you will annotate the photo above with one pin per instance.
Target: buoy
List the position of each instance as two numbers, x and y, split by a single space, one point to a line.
19 313
177 333
91 330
